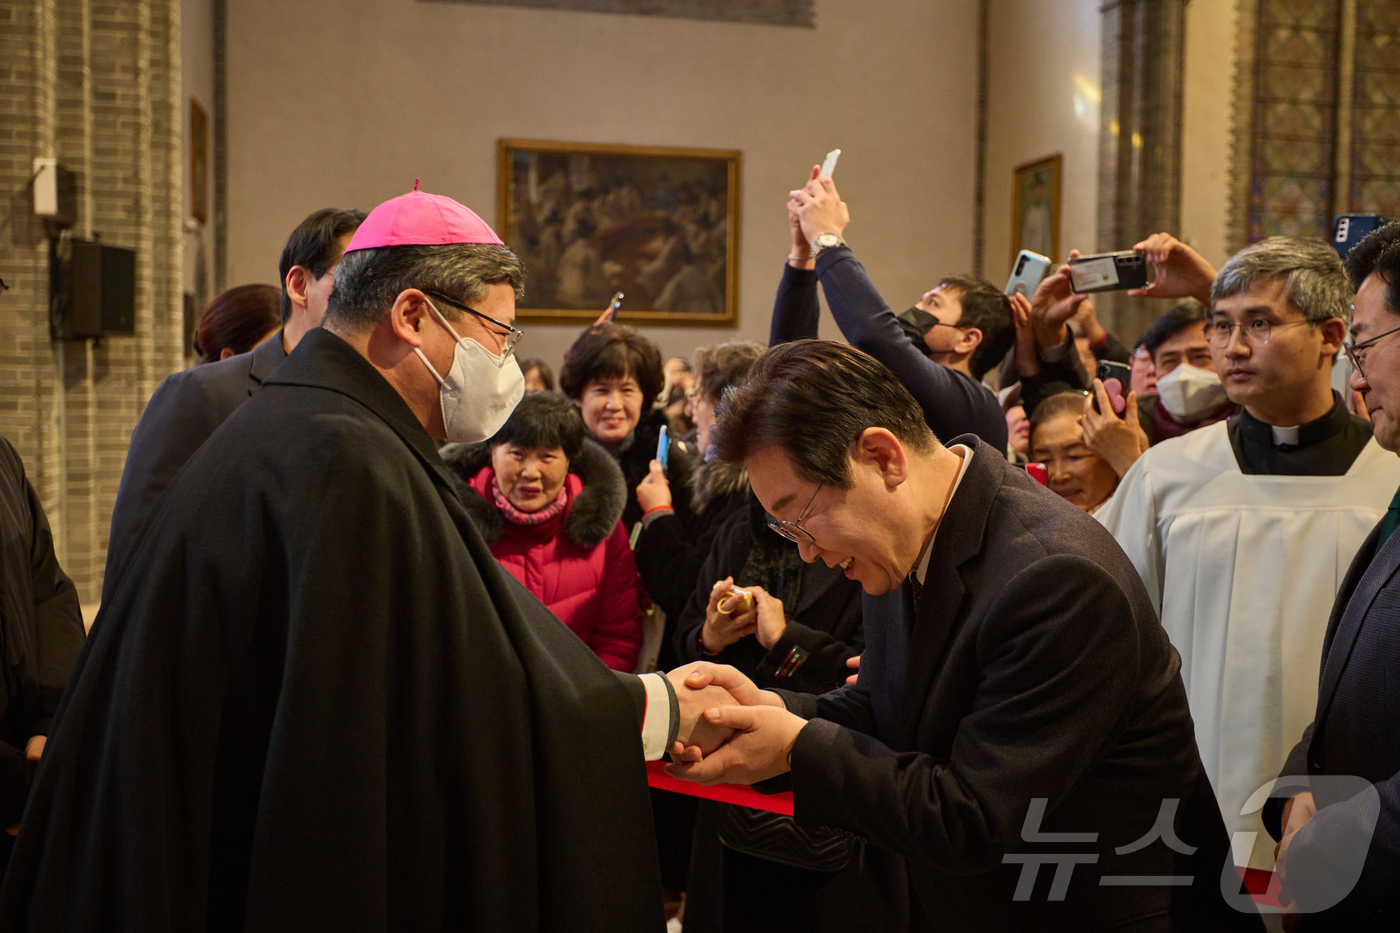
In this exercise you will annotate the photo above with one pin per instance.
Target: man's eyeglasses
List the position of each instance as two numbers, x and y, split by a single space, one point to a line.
1356 352
1256 331
512 335
794 531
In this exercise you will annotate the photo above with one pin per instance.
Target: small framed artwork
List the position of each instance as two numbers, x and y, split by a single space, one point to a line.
199 162
660 225
1035 208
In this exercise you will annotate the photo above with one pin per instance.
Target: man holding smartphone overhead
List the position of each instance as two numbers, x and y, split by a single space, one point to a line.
962 327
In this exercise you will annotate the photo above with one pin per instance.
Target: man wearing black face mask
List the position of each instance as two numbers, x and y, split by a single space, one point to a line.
939 349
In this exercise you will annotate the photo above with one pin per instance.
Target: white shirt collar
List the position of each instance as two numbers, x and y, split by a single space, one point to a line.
965 452
1285 435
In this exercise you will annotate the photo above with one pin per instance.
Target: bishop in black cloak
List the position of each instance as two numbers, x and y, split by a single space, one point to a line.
315 700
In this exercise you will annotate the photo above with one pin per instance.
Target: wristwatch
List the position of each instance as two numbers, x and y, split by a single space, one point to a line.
826 241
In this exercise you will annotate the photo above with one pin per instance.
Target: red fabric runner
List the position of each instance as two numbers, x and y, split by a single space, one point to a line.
1262 885
725 793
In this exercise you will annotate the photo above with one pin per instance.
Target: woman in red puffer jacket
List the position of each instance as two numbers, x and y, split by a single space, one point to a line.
548 501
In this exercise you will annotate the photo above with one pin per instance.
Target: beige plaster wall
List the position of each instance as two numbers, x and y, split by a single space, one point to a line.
345 103
1205 132
1043 97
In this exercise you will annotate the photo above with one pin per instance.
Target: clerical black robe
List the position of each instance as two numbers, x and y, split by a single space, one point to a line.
315 702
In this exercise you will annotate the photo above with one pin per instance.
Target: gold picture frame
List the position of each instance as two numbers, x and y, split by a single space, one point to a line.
199 162
660 224
1035 208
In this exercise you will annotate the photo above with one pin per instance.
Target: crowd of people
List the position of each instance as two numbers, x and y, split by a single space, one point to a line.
385 606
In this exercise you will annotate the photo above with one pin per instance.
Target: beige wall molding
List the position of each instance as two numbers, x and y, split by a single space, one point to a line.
769 12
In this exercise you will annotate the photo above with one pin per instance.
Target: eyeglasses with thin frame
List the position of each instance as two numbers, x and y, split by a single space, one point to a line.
794 531
1256 331
512 335
1356 352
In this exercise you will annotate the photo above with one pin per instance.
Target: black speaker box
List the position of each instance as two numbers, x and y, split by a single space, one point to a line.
98 298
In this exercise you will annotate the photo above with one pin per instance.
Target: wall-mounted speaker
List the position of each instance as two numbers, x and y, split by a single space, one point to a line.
95 293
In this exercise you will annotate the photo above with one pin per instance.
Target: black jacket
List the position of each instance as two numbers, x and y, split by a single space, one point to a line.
953 402
1354 733
823 608
316 702
635 460
669 553
41 629
1036 670
185 409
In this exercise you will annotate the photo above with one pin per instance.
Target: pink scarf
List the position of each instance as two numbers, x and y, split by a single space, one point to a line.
516 517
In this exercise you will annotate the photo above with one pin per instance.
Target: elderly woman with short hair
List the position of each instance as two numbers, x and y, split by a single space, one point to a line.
548 501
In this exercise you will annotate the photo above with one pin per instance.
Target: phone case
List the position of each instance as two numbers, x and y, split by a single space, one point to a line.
1027 272
1108 272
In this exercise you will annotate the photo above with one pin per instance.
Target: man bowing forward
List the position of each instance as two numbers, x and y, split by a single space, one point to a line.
1019 707
314 700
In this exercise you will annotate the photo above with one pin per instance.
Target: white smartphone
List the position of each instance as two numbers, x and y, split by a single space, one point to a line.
1026 273
829 165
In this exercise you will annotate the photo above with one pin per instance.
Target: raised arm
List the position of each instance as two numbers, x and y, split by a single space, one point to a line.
953 403
795 308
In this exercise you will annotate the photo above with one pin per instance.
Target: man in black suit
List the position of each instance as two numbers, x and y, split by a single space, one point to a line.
1340 848
1019 706
188 406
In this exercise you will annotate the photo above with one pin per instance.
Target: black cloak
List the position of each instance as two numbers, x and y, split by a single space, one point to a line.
41 630
315 701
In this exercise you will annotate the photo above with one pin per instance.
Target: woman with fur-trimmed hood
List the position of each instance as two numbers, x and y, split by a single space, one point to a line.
548 501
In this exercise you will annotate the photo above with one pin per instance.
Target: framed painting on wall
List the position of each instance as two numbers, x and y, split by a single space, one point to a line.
1035 208
660 225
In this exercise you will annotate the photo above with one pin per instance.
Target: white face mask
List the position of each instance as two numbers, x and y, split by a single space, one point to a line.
496 386
1190 393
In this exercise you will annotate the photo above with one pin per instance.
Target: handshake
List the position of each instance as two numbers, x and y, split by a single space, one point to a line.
731 732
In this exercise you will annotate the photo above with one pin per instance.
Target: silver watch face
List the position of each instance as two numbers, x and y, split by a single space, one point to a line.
827 240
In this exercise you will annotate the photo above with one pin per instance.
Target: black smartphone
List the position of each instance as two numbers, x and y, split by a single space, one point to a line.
1108 272
1108 369
613 306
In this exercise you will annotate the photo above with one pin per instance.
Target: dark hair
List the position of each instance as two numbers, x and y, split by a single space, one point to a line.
725 365
543 420
611 351
546 373
315 245
238 319
1378 252
813 398
987 309
367 281
1172 321
1057 406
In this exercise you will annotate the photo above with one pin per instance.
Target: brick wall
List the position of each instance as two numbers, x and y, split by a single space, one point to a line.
97 85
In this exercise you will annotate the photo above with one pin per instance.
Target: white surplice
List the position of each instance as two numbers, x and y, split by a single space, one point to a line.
1243 570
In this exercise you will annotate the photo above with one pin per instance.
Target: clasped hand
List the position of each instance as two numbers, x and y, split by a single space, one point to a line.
760 731
765 619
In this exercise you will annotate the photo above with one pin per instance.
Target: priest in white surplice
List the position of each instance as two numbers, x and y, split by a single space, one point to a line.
1243 530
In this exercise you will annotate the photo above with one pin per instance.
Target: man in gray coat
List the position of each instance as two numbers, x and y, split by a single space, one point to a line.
189 405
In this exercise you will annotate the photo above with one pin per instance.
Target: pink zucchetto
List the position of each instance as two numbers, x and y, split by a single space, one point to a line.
421 219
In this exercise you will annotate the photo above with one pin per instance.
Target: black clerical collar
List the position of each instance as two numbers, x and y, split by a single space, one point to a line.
1325 447
1258 434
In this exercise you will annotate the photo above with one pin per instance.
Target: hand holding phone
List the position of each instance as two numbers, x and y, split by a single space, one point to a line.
1108 272
1116 379
1026 273
829 165
663 448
